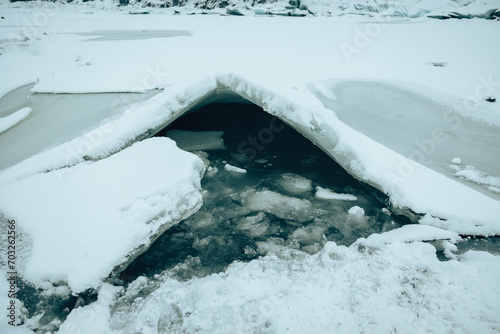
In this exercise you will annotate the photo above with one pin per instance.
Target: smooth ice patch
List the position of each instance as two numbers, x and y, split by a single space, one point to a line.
423 130
197 140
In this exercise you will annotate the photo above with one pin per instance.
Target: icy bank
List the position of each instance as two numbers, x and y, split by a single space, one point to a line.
83 222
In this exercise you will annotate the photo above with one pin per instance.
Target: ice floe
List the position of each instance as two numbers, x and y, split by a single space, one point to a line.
85 221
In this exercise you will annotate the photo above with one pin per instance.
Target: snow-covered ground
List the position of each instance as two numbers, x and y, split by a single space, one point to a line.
404 103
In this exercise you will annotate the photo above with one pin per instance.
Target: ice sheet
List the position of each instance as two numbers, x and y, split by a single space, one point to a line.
417 127
87 220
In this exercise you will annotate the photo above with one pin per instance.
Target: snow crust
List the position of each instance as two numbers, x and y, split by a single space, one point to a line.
84 221
9 121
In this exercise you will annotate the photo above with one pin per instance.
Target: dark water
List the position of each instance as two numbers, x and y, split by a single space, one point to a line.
234 222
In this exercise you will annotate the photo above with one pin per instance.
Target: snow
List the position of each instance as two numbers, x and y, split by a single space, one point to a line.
116 206
400 287
9 121
197 141
323 193
231 168
359 87
456 161
223 70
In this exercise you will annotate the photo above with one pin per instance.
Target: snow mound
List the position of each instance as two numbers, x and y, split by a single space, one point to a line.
87 220
9 121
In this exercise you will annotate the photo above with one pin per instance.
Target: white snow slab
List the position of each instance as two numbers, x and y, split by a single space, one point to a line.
9 121
86 220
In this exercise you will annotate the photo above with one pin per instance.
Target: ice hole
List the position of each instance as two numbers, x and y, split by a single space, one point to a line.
271 204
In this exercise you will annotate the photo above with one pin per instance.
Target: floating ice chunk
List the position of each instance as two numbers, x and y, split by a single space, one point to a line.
9 121
254 226
472 174
456 161
281 206
357 212
310 234
323 193
211 171
197 141
231 168
90 219
294 183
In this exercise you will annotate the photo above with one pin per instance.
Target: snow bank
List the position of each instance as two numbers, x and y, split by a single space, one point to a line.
396 287
9 121
89 219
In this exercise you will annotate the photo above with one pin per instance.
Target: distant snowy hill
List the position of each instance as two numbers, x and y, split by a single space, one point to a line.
439 9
